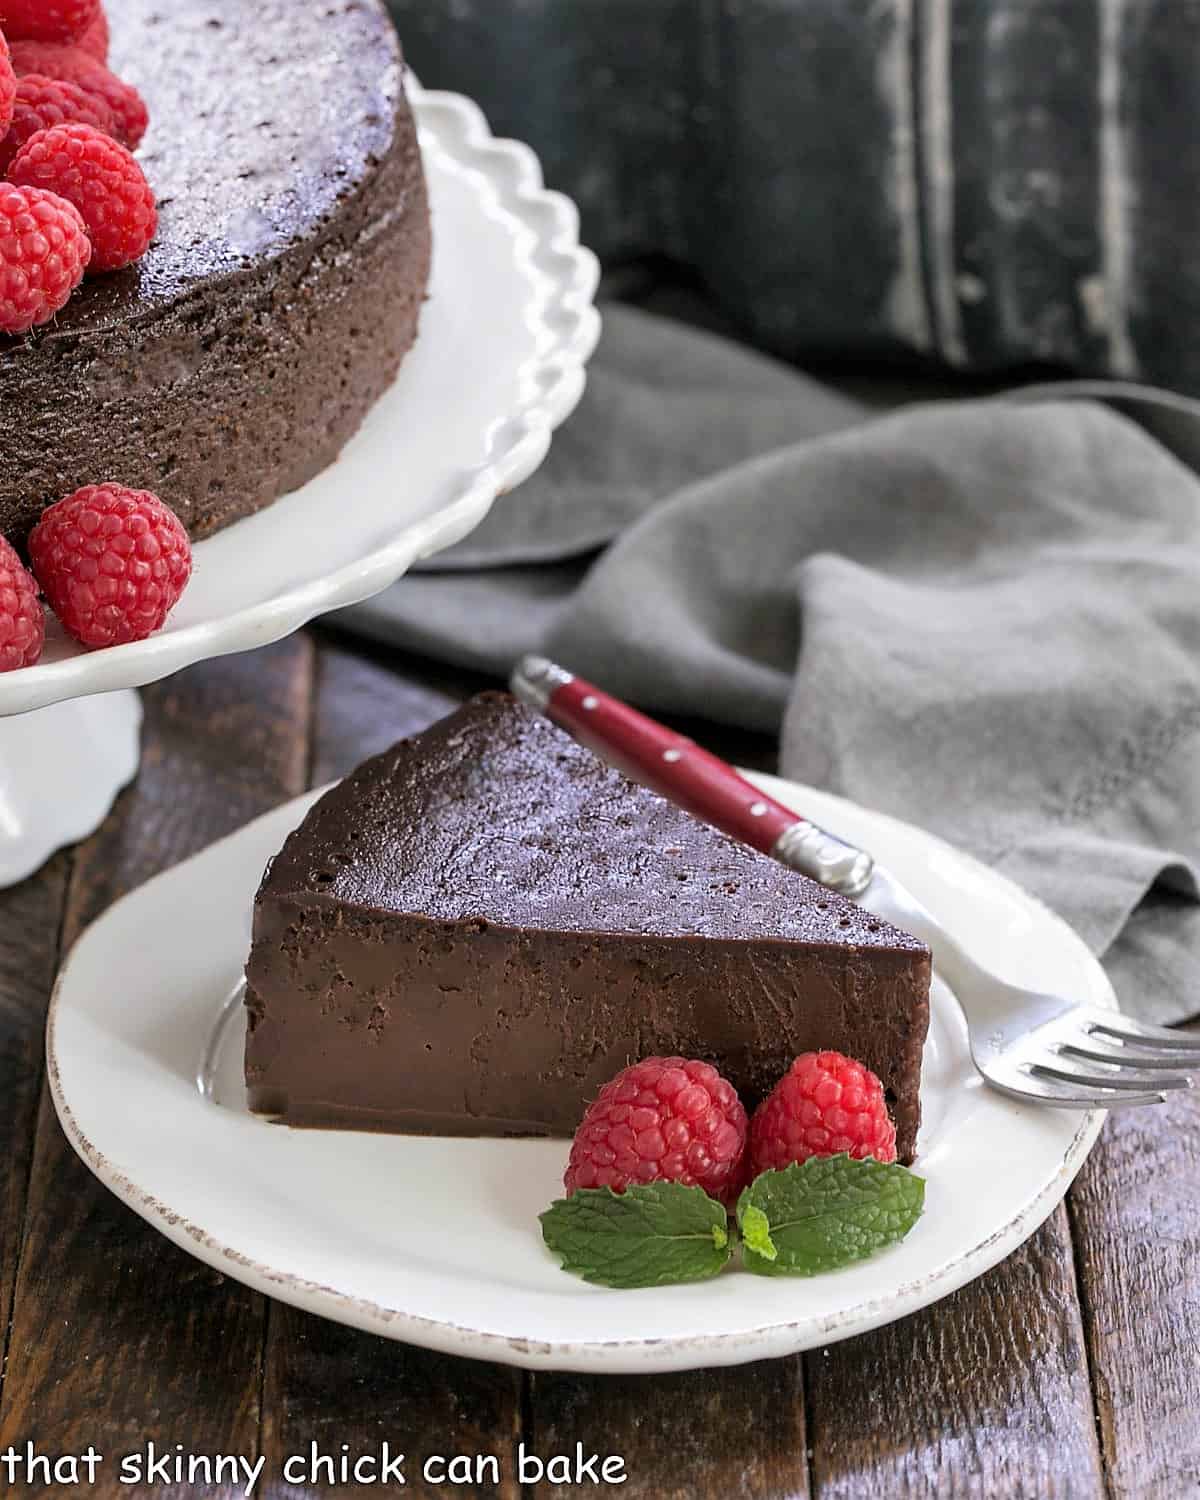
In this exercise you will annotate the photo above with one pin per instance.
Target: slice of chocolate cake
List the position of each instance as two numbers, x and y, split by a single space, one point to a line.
479 927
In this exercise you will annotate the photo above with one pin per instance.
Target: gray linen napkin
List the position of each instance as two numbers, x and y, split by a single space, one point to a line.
980 615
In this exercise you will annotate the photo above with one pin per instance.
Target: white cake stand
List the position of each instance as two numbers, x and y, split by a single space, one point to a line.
505 335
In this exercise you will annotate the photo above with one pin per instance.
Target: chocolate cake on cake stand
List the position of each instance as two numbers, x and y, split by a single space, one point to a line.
504 339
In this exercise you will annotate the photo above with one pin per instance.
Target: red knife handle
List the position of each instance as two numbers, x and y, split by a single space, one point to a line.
677 768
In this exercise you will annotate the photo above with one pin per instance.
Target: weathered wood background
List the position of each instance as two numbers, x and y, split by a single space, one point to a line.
1070 1370
987 184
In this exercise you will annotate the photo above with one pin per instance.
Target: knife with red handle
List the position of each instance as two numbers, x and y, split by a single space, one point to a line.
678 769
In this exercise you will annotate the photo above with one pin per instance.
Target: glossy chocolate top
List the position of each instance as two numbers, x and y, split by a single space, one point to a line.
495 814
265 115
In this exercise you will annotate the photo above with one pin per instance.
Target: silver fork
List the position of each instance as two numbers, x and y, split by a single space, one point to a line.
1042 1047
1034 1045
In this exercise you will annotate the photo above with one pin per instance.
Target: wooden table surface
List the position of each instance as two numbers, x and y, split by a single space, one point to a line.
1072 1369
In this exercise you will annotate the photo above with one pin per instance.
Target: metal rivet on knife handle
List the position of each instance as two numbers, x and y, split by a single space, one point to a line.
821 856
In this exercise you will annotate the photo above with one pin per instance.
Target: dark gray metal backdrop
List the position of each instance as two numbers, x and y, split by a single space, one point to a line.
988 183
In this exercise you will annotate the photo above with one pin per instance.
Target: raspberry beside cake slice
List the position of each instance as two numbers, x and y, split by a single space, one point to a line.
480 926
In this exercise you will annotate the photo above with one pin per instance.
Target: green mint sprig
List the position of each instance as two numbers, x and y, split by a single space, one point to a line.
652 1234
816 1216
826 1212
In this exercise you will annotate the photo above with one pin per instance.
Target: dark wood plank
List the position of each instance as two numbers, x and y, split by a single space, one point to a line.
117 1337
352 1393
332 1385
703 1433
367 699
984 1394
1137 1239
30 919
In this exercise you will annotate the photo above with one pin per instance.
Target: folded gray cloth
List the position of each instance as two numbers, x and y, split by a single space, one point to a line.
982 616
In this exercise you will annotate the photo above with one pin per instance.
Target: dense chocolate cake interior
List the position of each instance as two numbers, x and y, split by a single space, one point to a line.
481 925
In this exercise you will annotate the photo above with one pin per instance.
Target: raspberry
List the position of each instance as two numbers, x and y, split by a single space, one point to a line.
823 1104
8 87
74 65
47 20
111 561
44 249
22 623
42 102
94 40
662 1120
102 180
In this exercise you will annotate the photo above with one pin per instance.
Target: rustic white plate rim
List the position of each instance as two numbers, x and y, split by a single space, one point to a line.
89 1118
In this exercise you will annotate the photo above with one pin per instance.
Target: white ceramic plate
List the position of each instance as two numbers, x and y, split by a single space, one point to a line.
498 365
436 1241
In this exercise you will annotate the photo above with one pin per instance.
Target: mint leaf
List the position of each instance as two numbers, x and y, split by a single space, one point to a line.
825 1213
652 1234
756 1232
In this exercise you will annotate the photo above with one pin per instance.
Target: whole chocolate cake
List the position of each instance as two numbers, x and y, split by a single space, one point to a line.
479 927
233 362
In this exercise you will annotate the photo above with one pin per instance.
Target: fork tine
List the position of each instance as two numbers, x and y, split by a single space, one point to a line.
1128 1057
1049 1093
1122 1080
1125 1030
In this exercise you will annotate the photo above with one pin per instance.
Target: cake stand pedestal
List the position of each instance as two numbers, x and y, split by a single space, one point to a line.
60 771
505 337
